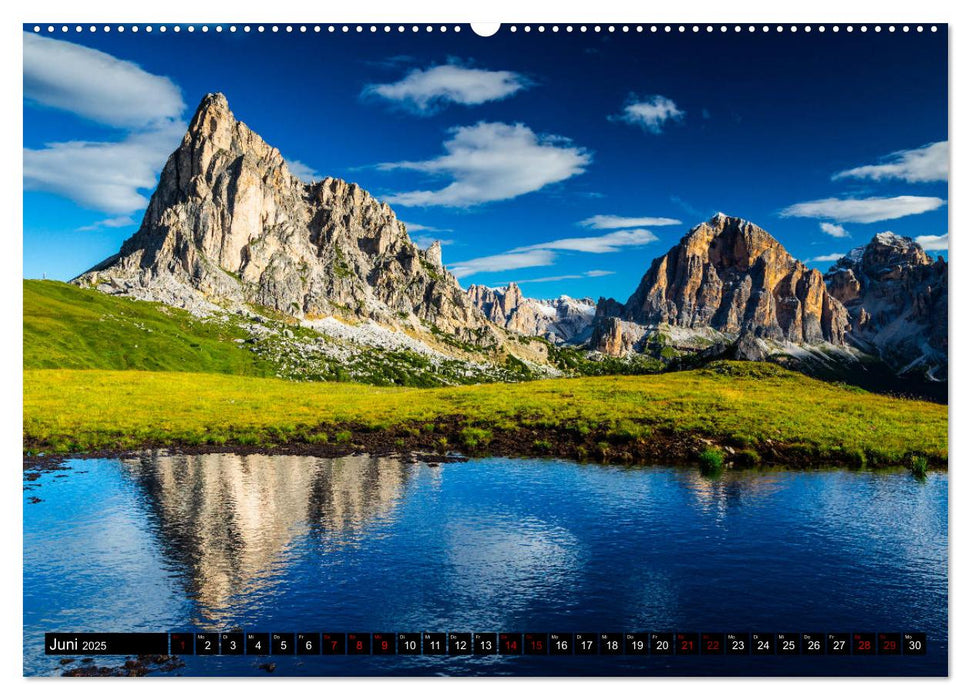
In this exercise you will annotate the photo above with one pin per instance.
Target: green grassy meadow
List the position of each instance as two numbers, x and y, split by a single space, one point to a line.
761 408
110 373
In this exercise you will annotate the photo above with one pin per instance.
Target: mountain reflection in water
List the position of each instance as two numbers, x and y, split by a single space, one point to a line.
231 520
286 543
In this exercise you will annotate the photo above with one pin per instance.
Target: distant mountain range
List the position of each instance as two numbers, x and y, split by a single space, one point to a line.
230 230
560 320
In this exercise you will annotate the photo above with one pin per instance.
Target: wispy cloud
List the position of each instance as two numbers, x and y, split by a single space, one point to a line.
113 222
925 164
503 262
863 211
541 254
649 113
832 257
607 243
609 221
301 170
560 278
692 210
834 230
425 91
421 227
490 162
96 85
423 241
933 242
106 176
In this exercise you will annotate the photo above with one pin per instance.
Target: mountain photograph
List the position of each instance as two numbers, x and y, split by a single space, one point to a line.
264 292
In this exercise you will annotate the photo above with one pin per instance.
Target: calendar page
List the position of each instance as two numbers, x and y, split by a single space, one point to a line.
522 350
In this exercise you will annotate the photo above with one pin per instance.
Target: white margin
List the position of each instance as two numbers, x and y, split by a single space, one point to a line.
439 11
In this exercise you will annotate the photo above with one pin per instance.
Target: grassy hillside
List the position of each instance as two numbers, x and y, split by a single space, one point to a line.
68 327
756 410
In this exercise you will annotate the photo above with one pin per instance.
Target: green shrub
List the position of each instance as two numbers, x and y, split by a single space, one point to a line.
918 465
473 438
343 436
544 446
712 459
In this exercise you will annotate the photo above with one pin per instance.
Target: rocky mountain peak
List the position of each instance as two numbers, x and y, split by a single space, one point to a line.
729 275
212 101
559 320
229 225
513 297
212 113
896 297
886 249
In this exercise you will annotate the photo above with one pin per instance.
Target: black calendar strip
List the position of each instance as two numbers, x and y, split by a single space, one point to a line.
489 643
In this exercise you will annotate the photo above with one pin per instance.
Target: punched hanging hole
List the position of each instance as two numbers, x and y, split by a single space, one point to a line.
485 29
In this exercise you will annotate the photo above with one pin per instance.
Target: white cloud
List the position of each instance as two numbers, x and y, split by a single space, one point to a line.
832 257
834 230
503 262
650 113
607 243
925 164
113 222
106 176
96 85
933 242
540 254
490 162
607 221
863 211
423 241
560 278
426 91
301 170
421 227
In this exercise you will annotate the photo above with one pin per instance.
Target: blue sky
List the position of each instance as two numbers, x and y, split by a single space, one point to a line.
565 162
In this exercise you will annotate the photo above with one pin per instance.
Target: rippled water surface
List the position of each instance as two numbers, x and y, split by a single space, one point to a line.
285 543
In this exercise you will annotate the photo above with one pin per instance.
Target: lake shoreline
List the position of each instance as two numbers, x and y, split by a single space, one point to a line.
451 439
727 413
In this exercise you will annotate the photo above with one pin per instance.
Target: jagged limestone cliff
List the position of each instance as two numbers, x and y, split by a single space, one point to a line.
726 280
559 320
896 296
230 225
